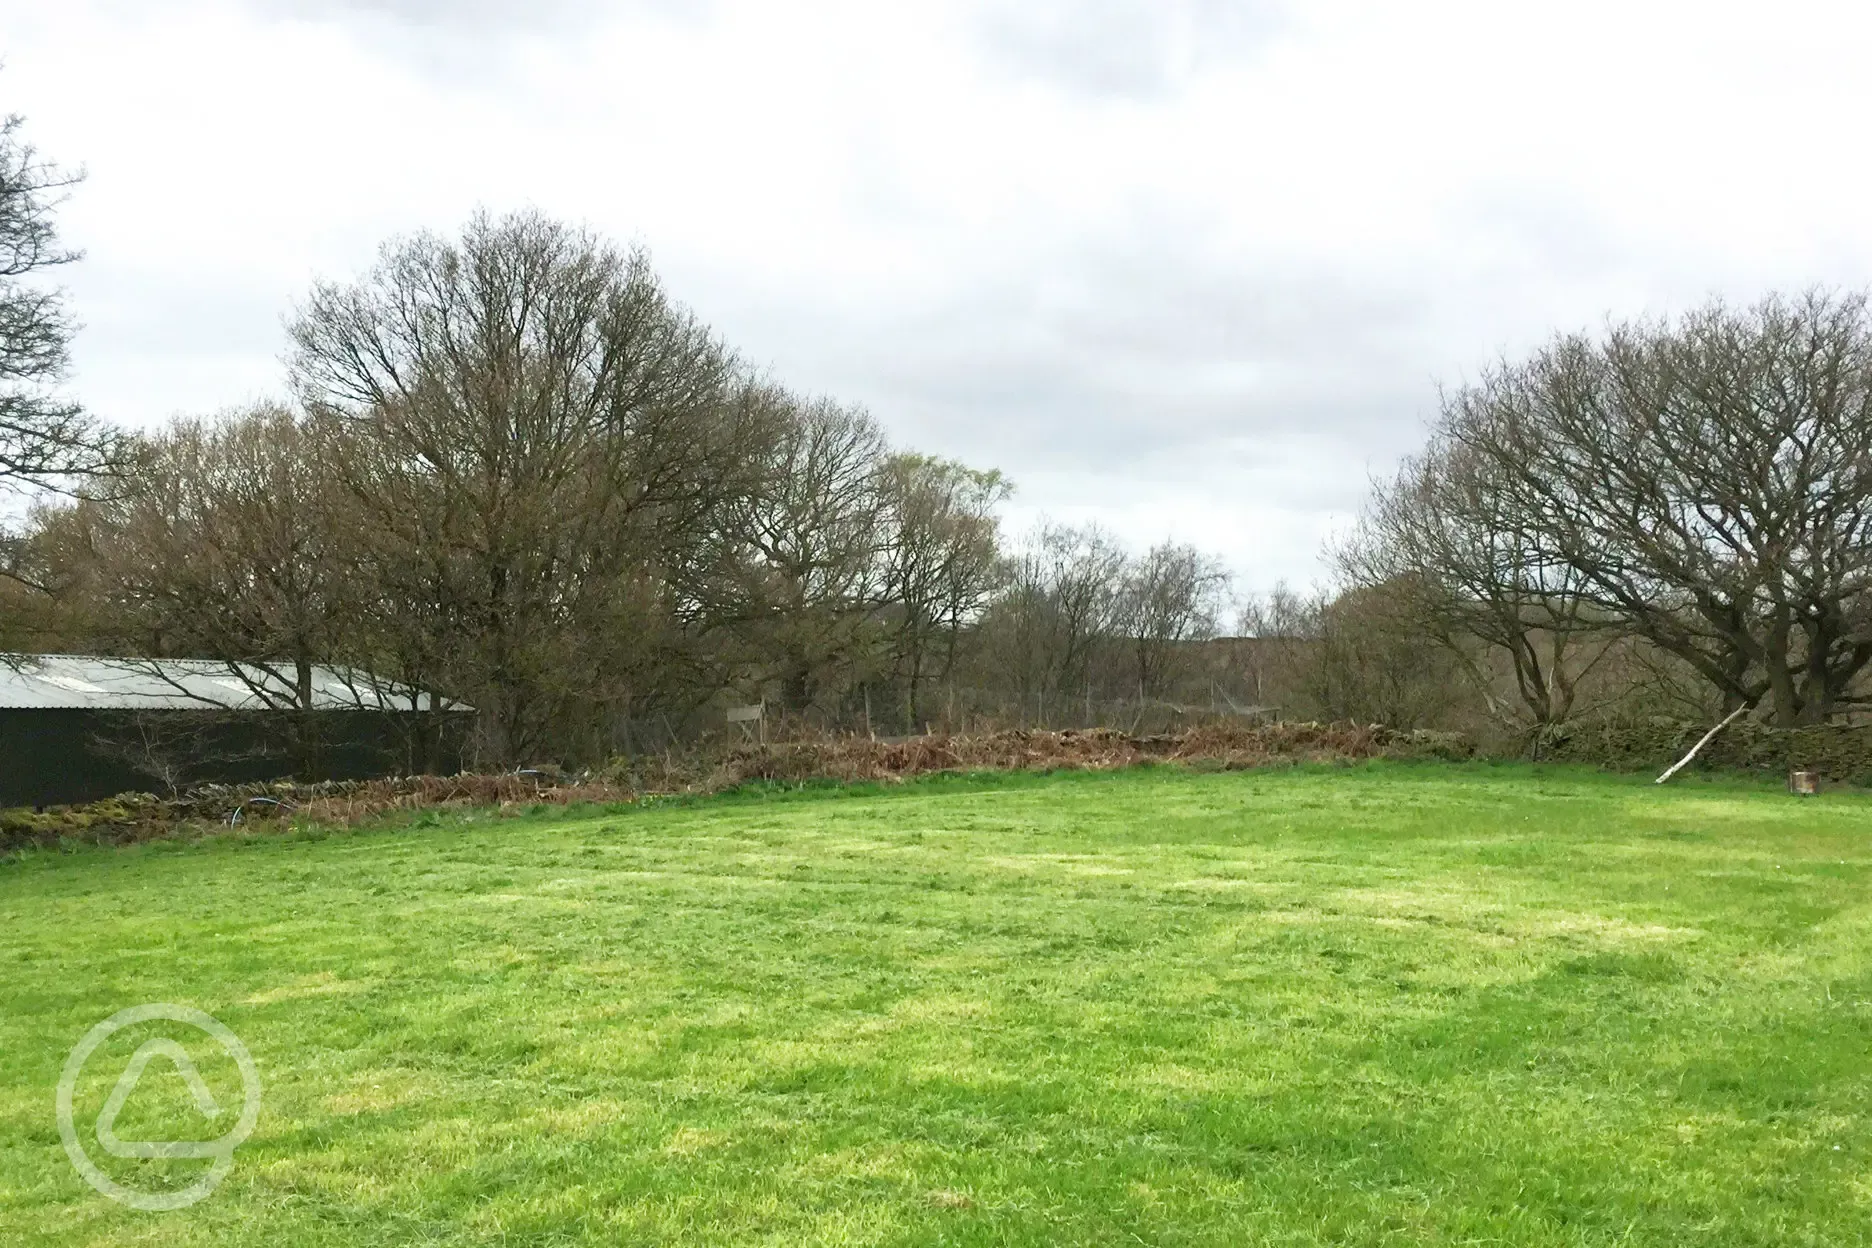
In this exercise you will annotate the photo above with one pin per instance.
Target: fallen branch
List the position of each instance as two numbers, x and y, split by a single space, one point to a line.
1681 763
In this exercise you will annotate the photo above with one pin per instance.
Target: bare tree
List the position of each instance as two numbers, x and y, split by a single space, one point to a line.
1709 480
532 420
1277 632
222 548
941 564
1169 599
51 585
1358 655
807 543
1058 607
1473 572
45 440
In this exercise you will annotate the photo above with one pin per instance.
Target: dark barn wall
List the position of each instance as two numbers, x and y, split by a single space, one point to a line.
58 757
46 758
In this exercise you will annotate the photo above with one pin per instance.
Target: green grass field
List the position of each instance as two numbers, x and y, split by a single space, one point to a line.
1384 1005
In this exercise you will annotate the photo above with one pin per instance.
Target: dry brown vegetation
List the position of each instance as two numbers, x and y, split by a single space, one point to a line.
841 760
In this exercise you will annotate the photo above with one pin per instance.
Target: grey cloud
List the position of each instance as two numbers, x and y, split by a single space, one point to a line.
1141 371
1123 48
1170 358
1155 371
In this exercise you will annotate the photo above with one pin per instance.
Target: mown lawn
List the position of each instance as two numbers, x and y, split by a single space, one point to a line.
1380 1005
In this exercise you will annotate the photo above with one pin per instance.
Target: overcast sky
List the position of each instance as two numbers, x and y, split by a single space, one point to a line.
1186 267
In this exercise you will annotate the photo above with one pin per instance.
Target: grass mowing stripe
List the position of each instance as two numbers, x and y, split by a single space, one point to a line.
1387 1004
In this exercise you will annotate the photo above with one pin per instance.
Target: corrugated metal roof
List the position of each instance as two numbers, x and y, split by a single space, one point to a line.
83 682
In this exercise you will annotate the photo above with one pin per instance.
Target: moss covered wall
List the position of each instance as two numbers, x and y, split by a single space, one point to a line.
1840 752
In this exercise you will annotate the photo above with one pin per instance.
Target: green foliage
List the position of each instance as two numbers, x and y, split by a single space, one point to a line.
1377 1004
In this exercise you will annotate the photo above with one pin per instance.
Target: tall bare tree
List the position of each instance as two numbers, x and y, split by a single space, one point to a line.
941 564
1471 569
1709 479
532 417
806 545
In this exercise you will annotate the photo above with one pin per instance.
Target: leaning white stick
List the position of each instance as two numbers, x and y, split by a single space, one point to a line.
1705 740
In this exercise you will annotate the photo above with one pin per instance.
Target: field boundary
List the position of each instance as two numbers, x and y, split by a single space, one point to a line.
132 817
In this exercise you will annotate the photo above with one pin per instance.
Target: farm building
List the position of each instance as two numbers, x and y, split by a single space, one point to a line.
76 728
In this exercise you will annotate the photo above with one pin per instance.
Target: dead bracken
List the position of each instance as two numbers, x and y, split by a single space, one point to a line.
132 817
